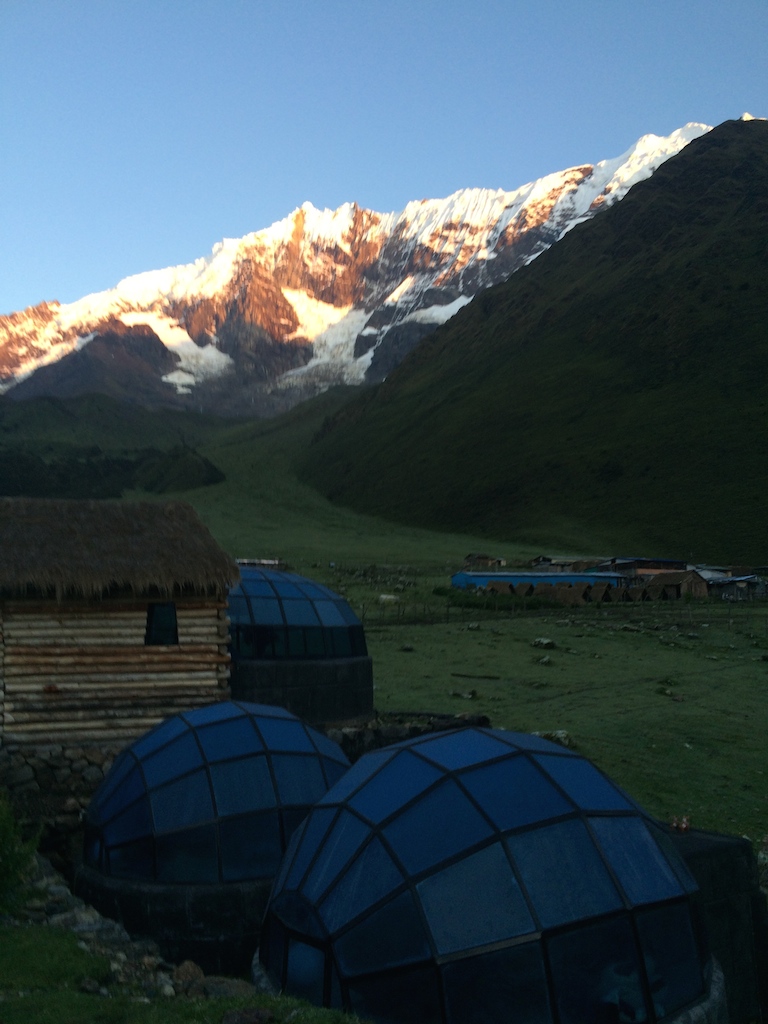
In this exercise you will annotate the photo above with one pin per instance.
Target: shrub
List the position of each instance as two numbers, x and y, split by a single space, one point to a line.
15 856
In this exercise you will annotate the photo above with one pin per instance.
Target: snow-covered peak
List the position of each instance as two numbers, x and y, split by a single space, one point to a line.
465 212
642 159
336 295
153 289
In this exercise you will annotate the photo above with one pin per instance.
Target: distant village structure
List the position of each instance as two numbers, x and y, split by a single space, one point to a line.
572 581
113 616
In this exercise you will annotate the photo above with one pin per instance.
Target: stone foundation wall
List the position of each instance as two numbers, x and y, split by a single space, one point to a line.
49 786
217 926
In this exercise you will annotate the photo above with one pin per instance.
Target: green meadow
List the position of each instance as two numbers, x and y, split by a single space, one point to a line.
672 706
671 699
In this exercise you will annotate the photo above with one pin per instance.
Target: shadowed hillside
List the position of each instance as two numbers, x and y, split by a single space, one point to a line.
613 392
97 447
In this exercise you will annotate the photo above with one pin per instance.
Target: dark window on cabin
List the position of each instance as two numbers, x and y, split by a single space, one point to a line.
161 624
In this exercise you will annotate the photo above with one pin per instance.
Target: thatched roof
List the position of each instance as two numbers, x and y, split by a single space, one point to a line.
86 548
498 587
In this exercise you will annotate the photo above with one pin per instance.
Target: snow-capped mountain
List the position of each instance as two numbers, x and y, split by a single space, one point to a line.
319 298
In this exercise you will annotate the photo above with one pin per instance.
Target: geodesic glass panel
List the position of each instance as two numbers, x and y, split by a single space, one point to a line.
481 875
370 877
596 973
583 784
464 912
224 740
409 996
507 985
641 868
292 617
455 824
391 936
343 840
563 873
406 777
306 965
515 793
209 795
667 941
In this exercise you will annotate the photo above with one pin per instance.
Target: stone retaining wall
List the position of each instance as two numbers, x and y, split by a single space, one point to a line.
49 786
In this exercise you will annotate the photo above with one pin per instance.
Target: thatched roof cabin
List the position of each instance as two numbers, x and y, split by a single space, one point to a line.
113 615
88 549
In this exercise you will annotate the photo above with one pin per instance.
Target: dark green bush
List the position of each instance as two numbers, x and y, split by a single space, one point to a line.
15 856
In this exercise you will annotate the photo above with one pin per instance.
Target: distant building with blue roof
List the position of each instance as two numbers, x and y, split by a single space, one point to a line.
468 580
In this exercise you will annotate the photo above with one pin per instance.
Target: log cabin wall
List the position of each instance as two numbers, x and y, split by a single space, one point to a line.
2 678
82 671
83 668
78 683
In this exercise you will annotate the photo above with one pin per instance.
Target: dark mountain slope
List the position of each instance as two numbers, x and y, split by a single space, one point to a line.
614 392
98 447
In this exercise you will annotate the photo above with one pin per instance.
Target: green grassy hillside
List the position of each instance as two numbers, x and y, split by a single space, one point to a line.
97 447
610 396
256 504
264 508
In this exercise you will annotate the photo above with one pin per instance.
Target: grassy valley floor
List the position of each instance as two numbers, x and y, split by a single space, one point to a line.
671 702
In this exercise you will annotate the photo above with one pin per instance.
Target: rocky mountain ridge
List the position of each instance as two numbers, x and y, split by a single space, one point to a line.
323 297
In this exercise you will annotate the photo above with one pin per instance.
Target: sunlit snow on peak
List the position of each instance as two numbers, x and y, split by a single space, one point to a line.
348 273
314 316
196 363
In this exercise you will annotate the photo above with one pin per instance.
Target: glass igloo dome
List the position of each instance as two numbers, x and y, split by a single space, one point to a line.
210 795
279 615
297 644
483 875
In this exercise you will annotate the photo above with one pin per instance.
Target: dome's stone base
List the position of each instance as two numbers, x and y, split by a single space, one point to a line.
217 926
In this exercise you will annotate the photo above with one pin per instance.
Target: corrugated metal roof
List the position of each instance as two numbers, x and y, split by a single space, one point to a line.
725 580
462 580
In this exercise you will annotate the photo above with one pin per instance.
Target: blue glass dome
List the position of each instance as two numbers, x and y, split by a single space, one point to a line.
210 795
279 615
482 875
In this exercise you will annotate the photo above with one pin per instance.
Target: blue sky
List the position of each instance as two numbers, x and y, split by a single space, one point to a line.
134 134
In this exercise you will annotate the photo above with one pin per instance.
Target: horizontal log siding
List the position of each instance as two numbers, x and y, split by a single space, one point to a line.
82 671
2 676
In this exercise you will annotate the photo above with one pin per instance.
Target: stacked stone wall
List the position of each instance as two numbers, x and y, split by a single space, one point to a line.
50 785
